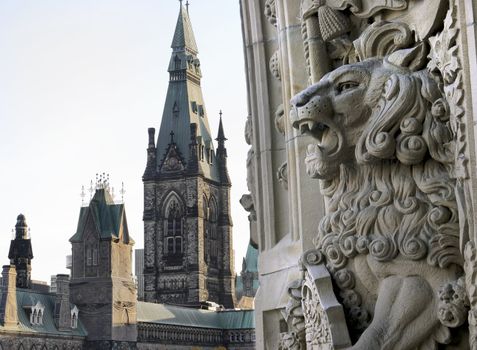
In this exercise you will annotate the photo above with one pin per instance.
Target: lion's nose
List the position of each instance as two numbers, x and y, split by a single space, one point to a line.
304 97
300 100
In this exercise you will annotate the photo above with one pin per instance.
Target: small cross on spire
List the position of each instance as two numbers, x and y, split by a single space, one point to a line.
220 113
187 6
172 136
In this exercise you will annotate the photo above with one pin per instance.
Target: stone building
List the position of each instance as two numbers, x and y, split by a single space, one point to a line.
30 316
97 308
188 256
188 270
362 172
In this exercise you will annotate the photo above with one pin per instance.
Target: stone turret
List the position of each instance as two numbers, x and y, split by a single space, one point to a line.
21 253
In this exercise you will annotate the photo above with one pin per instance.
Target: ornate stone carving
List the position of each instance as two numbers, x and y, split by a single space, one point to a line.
172 161
290 341
271 12
282 175
248 132
275 65
470 268
383 38
385 151
280 119
325 326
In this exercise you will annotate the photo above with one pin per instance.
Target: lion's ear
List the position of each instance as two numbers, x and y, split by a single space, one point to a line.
413 59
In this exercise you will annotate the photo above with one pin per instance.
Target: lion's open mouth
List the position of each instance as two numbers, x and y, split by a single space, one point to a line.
329 140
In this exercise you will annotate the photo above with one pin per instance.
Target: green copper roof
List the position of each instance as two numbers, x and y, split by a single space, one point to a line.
26 298
182 316
109 219
251 258
184 103
184 35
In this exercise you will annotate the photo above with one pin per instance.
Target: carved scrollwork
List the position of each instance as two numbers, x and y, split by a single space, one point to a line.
383 38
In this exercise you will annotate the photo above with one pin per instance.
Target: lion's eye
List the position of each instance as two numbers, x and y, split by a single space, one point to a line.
347 85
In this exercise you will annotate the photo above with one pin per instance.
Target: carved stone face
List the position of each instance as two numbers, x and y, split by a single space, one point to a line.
335 112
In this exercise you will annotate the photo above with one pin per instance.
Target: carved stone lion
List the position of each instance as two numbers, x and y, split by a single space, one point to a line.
391 234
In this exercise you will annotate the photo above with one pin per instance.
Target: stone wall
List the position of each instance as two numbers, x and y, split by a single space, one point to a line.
24 342
361 121
155 336
286 203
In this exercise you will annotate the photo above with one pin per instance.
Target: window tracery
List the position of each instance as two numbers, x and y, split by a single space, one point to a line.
174 220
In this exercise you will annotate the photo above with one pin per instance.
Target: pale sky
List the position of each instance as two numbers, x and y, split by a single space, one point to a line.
80 83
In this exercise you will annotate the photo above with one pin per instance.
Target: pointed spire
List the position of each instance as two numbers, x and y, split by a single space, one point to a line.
184 38
221 135
222 153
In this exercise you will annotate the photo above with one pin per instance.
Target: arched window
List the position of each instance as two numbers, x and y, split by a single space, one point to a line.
36 316
210 230
173 226
74 317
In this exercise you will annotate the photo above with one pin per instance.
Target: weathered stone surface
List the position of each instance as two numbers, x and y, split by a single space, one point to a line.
387 126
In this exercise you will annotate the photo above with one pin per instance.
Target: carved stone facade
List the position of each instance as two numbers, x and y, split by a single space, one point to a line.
377 103
188 255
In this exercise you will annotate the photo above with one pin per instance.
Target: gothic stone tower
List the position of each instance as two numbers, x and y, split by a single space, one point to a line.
101 283
187 226
21 253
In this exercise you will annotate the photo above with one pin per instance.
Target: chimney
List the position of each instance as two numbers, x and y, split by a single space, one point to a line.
8 298
62 303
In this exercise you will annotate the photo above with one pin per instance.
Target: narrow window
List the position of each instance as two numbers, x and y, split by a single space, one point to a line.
95 256
89 257
170 245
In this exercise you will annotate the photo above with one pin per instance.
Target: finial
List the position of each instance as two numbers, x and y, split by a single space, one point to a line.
172 137
220 113
82 195
91 189
180 1
187 6
122 192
